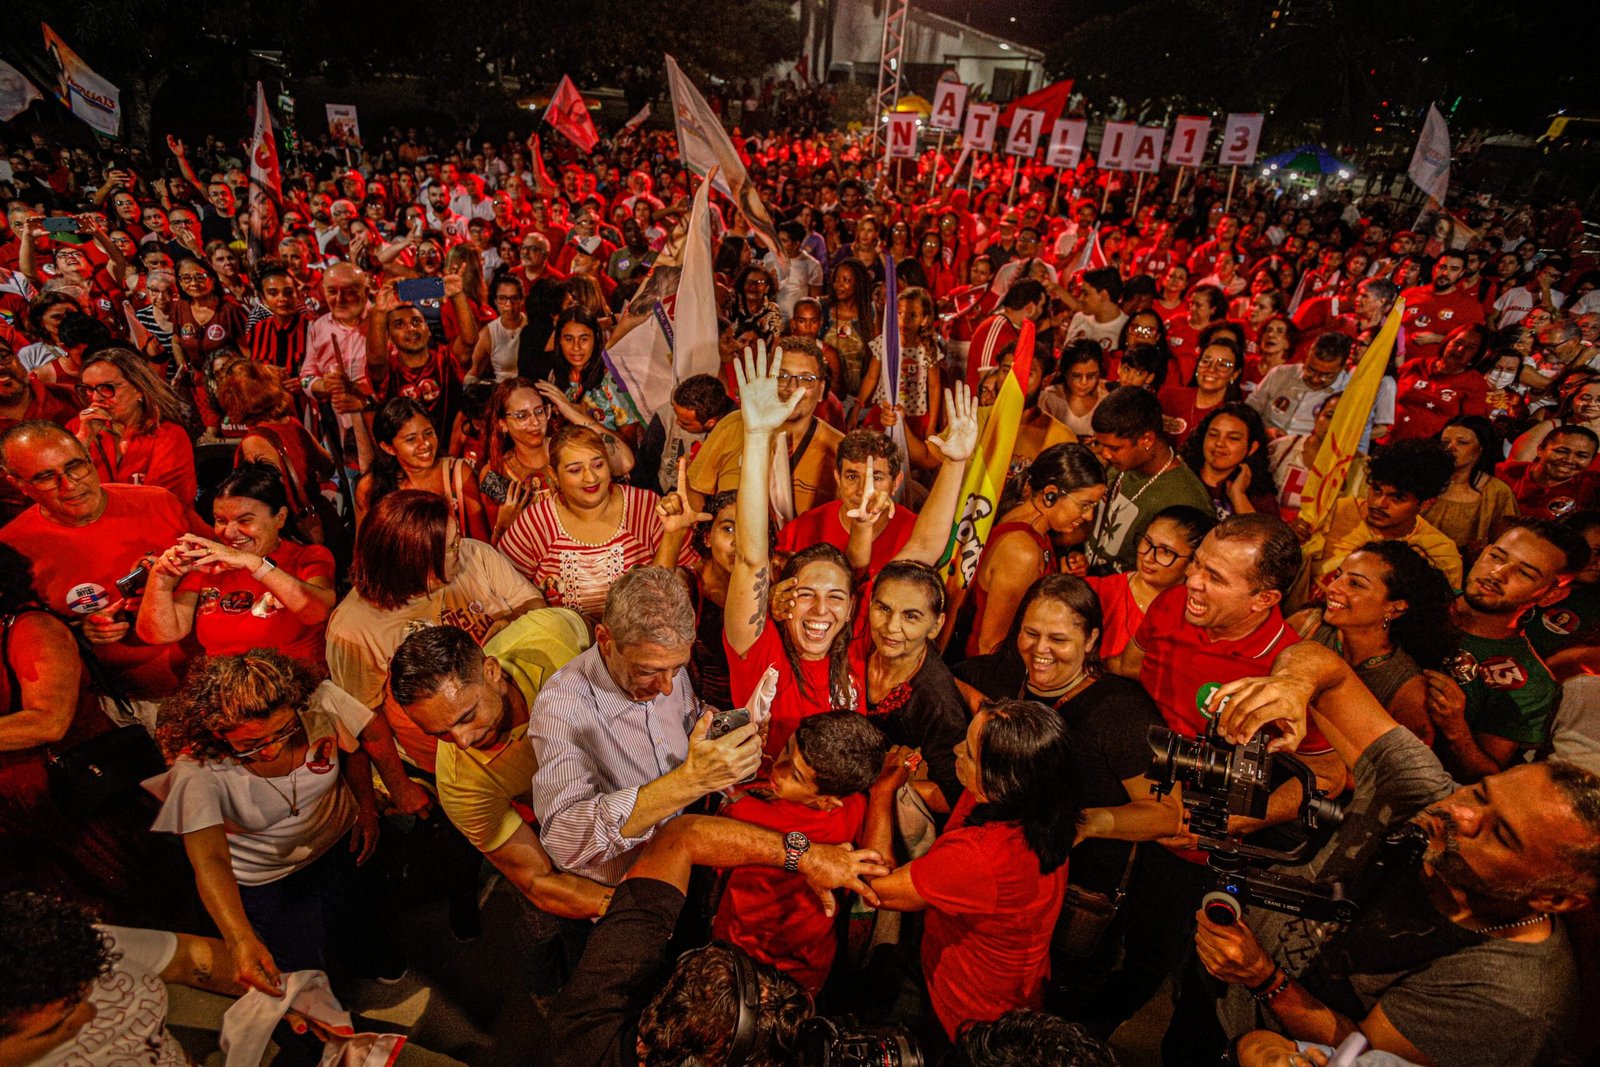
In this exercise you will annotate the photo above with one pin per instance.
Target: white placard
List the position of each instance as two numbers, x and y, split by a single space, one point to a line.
980 127
1066 142
1189 136
1027 125
900 131
949 100
1116 145
1147 144
1239 140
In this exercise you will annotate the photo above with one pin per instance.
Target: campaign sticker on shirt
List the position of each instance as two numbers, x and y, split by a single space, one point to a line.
210 597
1561 505
1502 672
237 602
215 332
425 391
86 598
320 759
266 607
1561 621
1447 395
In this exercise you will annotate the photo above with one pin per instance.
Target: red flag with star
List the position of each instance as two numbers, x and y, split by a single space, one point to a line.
570 115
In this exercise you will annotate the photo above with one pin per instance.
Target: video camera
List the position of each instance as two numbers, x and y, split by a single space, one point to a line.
1221 780
844 1043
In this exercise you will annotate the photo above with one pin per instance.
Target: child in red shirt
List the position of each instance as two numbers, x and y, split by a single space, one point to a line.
818 787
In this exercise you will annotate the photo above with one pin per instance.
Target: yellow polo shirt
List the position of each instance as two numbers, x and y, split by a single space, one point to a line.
479 790
1348 531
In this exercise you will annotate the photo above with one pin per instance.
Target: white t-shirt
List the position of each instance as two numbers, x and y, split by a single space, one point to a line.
1514 304
803 274
267 839
130 1008
1088 328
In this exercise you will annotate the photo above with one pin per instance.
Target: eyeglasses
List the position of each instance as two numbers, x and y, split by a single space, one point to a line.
1142 328
1215 364
103 391
1164 556
524 414
803 380
276 739
193 278
75 471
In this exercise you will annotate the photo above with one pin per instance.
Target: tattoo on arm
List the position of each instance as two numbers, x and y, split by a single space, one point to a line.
611 445
759 619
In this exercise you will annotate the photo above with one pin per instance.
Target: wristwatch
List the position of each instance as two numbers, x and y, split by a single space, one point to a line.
795 845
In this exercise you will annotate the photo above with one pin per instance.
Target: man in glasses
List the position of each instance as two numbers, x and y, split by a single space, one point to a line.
25 397
335 366
91 547
1289 397
808 444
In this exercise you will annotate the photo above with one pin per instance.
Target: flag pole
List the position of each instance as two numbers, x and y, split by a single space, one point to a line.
1233 175
1011 194
1177 186
1105 197
1055 194
1138 191
933 178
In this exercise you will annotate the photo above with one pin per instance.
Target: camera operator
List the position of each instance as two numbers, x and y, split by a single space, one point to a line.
1457 956
692 1018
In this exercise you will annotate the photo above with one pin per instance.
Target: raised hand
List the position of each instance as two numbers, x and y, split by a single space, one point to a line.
453 283
387 299
875 504
960 437
673 509
569 411
175 146
763 407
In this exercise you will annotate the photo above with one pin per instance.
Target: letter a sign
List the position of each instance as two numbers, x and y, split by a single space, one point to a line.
1147 144
949 99
1026 127
901 132
979 131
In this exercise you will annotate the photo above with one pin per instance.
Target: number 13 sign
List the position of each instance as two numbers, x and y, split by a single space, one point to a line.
1239 139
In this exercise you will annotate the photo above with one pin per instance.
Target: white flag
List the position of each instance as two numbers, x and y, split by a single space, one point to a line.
82 91
1430 163
703 144
694 315
16 92
637 120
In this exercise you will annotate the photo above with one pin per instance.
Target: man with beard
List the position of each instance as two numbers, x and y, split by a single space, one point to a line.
1434 311
1497 699
428 373
1457 956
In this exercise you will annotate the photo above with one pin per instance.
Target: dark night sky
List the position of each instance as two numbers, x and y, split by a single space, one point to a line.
1038 22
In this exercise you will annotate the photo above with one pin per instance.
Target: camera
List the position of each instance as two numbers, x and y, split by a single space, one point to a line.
727 721
1221 780
844 1043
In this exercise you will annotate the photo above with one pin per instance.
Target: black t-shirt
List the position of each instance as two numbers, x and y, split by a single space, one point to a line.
1109 723
931 717
595 1018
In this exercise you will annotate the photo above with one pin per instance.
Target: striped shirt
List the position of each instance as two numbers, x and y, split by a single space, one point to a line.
596 747
282 345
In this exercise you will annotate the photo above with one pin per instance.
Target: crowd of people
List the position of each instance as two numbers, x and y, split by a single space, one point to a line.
357 536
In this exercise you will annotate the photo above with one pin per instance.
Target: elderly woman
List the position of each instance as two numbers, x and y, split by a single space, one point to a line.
248 588
273 797
133 425
575 542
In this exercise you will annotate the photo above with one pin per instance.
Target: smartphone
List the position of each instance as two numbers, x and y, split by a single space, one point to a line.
133 583
494 486
726 721
60 224
420 290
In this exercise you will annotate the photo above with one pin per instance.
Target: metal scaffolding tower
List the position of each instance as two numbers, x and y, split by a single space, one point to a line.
894 42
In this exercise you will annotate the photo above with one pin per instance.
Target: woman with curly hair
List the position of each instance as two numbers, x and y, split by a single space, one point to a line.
850 326
1228 450
272 795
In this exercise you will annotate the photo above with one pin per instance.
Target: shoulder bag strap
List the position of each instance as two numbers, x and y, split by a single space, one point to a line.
291 477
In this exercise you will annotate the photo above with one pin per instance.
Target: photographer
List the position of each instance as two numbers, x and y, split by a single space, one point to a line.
693 1017
1457 956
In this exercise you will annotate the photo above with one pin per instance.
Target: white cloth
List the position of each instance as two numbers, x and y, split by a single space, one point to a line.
247 1026
36 355
1104 334
1575 733
130 1007
267 840
1514 304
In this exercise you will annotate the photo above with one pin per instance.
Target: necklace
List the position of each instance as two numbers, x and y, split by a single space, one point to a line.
1529 921
1134 499
292 798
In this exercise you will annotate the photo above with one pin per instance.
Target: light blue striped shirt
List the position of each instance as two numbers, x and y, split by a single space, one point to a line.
596 747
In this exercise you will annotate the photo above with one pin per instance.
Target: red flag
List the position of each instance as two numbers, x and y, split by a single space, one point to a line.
266 184
1052 100
570 115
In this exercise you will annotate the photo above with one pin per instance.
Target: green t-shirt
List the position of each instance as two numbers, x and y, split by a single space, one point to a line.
1131 504
1566 623
1512 693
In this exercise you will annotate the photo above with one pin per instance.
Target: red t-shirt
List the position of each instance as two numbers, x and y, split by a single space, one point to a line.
1549 501
225 329
1425 400
52 403
75 572
1183 341
793 702
986 939
774 915
1431 312
1120 614
235 612
821 525
162 455
990 340
1179 658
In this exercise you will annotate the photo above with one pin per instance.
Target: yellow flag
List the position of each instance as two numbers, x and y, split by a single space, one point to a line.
1326 480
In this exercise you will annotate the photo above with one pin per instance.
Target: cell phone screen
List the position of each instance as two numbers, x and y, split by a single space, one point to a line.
61 224
420 290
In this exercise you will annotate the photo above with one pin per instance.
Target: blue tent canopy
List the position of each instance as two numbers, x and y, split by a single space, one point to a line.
1310 158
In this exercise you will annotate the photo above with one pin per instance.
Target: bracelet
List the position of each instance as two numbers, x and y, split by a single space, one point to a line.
267 566
1275 985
